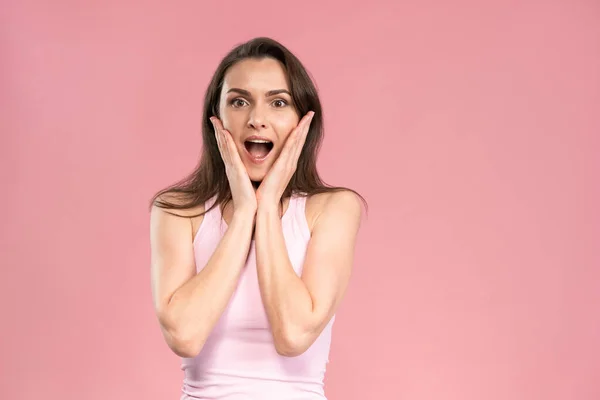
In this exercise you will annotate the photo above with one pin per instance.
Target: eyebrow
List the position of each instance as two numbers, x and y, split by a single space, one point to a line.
268 94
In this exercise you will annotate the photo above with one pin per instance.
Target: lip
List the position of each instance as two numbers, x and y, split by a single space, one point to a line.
257 137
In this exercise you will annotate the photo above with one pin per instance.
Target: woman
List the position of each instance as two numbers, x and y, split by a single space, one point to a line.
252 253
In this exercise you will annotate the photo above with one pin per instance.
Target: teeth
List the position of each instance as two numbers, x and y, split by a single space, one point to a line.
259 141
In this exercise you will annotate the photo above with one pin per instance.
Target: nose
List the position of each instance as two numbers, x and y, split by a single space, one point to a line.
257 118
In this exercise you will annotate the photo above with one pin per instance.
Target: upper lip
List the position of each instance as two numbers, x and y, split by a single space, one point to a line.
258 137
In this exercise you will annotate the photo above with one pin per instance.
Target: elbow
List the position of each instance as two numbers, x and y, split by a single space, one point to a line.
291 344
185 347
183 344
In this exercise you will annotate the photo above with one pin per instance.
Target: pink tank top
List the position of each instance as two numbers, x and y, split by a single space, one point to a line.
239 360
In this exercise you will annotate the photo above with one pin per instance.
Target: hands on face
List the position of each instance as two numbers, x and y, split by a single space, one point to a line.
275 182
242 191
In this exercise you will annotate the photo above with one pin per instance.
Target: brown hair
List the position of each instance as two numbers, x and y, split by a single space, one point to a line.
209 177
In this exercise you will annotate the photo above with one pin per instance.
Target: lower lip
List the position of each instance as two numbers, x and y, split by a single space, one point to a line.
256 160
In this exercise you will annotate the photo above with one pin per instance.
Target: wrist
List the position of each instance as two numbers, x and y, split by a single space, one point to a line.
268 207
244 213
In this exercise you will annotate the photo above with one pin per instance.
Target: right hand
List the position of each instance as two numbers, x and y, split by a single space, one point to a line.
242 191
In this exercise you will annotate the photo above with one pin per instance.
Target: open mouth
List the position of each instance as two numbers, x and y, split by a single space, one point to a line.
258 149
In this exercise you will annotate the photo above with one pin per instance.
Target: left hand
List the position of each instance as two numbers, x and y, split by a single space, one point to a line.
275 182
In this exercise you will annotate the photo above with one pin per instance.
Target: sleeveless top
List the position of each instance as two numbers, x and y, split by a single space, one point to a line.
239 360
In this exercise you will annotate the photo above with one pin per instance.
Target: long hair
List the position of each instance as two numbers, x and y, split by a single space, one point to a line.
209 177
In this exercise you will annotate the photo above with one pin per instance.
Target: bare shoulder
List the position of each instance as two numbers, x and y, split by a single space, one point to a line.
340 205
177 199
182 217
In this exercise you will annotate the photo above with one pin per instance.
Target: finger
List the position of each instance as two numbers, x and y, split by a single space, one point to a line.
289 153
228 144
291 161
232 151
217 137
221 141
289 149
214 125
304 134
301 138
306 120
289 144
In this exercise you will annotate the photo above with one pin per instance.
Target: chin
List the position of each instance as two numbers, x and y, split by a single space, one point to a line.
256 175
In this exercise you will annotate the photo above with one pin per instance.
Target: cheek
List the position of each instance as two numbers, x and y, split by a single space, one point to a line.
285 126
233 122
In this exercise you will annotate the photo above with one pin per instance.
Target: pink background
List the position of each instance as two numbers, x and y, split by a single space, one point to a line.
473 131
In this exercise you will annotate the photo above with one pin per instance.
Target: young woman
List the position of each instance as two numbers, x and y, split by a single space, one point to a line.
252 253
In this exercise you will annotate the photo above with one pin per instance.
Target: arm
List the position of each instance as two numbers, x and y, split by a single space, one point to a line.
299 308
188 304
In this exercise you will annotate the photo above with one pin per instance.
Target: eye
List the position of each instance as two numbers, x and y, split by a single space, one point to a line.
281 102
238 102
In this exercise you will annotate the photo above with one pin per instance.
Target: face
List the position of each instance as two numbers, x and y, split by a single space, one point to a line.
256 108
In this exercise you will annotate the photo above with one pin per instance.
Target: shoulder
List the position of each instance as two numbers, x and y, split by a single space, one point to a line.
341 206
175 199
169 218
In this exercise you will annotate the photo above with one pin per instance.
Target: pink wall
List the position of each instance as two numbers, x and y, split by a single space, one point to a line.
473 131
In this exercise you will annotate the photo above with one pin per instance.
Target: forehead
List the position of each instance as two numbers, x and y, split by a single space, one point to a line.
256 75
